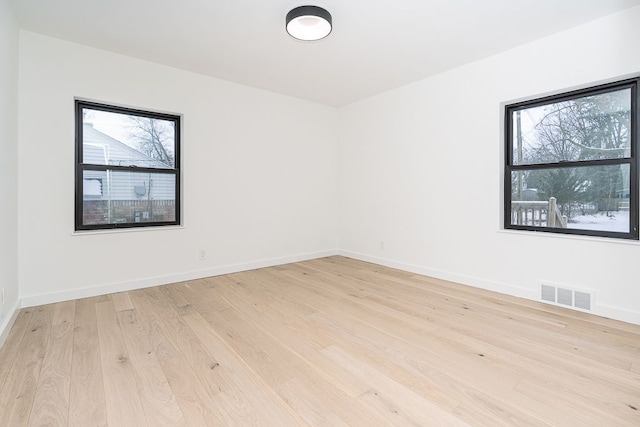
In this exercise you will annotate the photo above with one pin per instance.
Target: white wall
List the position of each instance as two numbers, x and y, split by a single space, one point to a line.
418 168
8 166
259 174
421 171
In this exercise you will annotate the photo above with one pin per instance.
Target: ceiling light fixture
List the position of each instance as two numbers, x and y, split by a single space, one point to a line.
308 23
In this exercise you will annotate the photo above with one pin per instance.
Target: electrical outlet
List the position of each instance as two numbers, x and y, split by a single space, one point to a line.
382 246
202 254
2 296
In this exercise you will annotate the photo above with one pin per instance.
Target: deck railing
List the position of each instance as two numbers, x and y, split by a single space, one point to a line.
537 213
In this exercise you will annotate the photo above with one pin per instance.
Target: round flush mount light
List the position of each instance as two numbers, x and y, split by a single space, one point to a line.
308 23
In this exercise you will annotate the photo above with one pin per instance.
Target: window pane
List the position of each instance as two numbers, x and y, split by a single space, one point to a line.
119 139
92 187
585 198
587 128
128 197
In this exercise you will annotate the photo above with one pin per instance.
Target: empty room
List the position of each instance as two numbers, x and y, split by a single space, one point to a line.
342 213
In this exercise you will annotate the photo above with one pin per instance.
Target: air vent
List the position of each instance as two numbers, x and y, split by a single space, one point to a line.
548 293
566 297
582 300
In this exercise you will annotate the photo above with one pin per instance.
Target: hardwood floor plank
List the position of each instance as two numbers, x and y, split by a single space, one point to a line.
157 398
245 338
189 369
121 301
398 403
123 402
87 405
232 402
52 391
301 363
19 389
263 399
293 339
245 298
11 348
559 406
379 332
311 409
184 343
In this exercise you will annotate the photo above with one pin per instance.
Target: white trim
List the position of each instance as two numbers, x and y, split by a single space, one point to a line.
615 313
623 315
109 288
5 327
126 230
545 234
445 275
127 106
573 88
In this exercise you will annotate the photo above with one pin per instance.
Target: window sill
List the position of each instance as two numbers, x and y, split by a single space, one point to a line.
126 230
571 237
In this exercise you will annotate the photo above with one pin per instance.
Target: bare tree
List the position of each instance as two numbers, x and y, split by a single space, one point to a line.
154 137
591 128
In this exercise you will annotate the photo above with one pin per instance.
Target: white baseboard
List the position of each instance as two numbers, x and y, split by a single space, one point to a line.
445 275
8 322
615 313
533 295
109 288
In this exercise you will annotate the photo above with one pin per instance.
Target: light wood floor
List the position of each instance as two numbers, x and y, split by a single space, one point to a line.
329 342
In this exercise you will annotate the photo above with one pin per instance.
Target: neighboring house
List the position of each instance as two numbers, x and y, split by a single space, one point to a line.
122 196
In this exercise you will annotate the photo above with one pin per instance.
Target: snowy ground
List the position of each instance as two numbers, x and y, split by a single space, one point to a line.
617 221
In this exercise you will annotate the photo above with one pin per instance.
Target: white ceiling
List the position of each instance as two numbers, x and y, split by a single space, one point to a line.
376 45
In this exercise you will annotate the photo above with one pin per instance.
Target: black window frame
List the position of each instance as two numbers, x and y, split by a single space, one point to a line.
632 160
81 167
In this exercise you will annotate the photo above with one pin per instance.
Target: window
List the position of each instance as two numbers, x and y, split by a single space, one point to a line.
127 167
571 162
